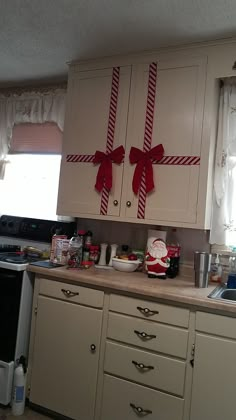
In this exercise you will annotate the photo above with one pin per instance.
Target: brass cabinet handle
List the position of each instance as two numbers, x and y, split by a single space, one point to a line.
115 202
146 311
144 335
93 347
139 410
69 293
141 366
128 203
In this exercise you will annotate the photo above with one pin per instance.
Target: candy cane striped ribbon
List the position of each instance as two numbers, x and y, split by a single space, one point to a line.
111 130
152 77
166 160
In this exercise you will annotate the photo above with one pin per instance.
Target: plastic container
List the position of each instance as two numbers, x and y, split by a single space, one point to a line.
53 245
216 271
19 383
232 265
94 253
231 282
75 251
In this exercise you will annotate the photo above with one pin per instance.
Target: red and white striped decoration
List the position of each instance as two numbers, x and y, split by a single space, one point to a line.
178 160
147 133
79 158
111 130
166 160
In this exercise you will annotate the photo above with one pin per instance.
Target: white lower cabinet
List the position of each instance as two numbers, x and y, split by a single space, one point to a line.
145 363
123 400
65 359
122 358
214 377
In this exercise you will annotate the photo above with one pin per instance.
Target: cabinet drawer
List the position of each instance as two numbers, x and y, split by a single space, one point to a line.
159 337
119 394
150 310
162 372
216 324
71 293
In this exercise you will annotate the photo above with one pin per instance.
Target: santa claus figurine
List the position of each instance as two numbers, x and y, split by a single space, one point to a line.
157 260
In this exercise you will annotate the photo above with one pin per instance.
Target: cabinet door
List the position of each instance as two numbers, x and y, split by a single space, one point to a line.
177 125
214 379
64 373
85 132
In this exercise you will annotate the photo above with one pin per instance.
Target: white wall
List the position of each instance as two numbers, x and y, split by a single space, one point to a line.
135 235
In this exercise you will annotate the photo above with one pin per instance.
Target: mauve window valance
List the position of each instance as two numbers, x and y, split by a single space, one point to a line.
36 138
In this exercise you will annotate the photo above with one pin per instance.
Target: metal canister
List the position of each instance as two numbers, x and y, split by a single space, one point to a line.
202 267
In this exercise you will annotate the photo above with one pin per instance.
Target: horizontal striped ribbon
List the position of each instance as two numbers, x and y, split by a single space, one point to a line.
166 160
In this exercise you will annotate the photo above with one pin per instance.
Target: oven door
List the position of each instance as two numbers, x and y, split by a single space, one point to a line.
10 298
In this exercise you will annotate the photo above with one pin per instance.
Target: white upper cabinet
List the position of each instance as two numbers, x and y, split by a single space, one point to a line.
184 122
177 124
86 130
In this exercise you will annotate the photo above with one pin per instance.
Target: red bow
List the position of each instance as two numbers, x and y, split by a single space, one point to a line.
104 175
144 162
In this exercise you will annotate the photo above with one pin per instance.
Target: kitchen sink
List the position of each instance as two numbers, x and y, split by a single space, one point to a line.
223 293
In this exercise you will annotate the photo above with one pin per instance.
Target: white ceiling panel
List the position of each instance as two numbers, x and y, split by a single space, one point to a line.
37 37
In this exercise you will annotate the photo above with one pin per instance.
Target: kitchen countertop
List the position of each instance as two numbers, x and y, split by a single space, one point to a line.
180 290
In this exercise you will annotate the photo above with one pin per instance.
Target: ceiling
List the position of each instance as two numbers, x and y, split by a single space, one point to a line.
38 37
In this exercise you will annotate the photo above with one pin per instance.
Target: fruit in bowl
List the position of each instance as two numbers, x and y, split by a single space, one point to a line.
132 257
125 265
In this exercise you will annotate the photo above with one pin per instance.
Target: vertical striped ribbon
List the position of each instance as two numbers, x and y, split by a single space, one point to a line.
111 130
152 78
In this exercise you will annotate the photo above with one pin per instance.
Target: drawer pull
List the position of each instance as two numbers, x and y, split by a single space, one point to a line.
141 366
69 293
140 410
144 335
147 312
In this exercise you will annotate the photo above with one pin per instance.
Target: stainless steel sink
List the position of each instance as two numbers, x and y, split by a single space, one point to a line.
222 293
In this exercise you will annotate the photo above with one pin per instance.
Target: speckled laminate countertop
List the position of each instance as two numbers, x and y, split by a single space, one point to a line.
180 290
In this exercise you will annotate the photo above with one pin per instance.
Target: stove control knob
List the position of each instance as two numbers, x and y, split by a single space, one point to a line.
10 224
4 223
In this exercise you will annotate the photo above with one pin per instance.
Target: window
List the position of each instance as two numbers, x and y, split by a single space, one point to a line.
30 185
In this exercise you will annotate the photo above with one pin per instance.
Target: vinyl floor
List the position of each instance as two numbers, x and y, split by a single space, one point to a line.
5 414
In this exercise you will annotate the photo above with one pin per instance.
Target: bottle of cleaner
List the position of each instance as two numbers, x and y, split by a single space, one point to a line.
19 383
216 271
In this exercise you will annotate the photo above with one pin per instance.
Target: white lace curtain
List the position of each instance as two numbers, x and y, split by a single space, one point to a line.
31 107
224 196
